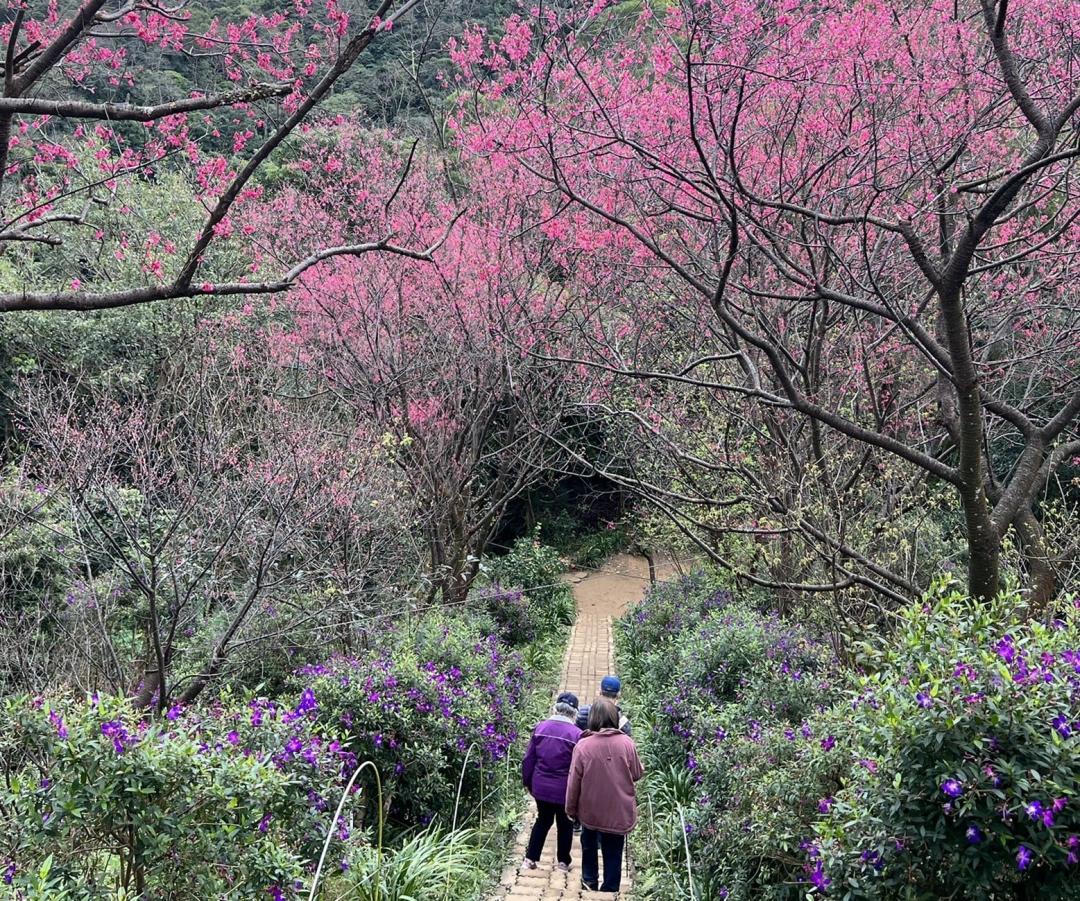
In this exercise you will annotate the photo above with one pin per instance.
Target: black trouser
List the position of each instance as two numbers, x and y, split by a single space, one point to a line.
548 813
612 847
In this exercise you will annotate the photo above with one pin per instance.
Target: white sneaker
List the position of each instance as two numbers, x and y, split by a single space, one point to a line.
529 864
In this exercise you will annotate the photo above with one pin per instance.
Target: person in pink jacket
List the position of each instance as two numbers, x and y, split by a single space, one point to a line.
600 792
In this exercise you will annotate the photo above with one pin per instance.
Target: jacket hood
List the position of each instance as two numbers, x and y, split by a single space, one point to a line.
610 730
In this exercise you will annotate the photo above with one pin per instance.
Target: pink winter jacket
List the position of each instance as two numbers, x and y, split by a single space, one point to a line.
600 791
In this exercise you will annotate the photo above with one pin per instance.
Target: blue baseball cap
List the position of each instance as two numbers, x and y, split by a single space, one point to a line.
610 684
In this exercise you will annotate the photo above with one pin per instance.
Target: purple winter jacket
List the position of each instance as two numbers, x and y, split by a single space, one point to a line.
547 762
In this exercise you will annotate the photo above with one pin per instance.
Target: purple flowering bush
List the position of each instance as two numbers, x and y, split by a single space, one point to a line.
510 612
974 718
234 798
736 755
944 764
418 708
536 570
171 808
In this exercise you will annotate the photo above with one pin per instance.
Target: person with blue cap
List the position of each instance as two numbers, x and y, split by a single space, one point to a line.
545 771
610 686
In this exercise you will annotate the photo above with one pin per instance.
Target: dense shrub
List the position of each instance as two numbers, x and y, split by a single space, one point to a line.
537 570
581 540
511 613
972 717
189 806
438 692
730 692
235 798
944 766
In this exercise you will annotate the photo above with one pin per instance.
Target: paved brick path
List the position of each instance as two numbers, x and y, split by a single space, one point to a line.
589 657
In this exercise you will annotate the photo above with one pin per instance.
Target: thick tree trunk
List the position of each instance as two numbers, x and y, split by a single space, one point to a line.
984 546
983 539
1042 573
149 689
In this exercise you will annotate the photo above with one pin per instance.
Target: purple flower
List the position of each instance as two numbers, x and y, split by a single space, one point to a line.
174 712
1061 723
952 788
115 730
973 834
307 702
58 724
828 743
1034 809
264 823
1023 858
1006 650
818 877
924 700
9 873
824 805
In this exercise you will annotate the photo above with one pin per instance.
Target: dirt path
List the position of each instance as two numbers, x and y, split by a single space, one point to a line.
601 597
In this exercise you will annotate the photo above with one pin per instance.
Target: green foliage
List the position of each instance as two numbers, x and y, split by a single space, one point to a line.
234 799
435 706
728 694
102 801
944 766
33 559
580 544
971 713
511 612
537 570
430 865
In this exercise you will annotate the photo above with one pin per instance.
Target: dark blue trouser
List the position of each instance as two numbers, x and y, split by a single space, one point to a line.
611 846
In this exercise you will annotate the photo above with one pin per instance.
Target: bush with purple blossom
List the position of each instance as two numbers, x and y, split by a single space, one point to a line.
510 611
729 693
235 797
172 808
439 706
977 793
943 765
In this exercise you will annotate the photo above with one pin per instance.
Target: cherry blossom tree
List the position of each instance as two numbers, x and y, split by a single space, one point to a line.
434 355
863 214
82 114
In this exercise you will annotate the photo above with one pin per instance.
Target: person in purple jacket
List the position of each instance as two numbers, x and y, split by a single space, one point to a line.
545 771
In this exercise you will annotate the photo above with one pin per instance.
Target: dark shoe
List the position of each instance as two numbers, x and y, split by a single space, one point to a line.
588 887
